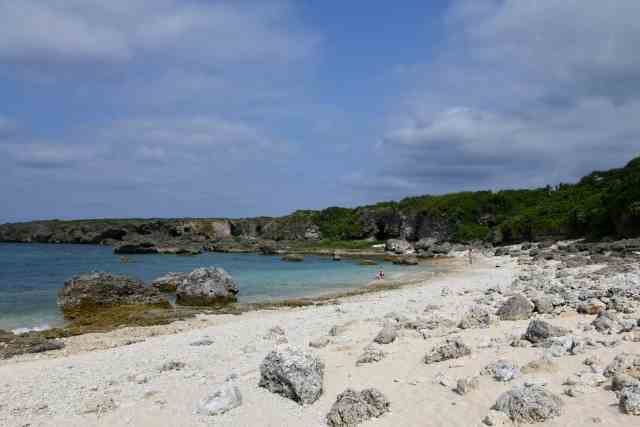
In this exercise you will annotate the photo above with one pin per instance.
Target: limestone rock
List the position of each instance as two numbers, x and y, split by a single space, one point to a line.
539 330
398 246
220 399
630 400
516 308
13 345
477 317
90 291
294 374
370 355
452 348
169 282
529 404
352 407
467 385
207 286
387 335
624 363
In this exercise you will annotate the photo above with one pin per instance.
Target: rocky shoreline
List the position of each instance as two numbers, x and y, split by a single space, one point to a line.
547 335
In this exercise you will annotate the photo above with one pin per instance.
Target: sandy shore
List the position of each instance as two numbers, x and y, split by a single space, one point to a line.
115 379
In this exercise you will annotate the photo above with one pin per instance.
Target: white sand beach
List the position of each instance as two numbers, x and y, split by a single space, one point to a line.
115 379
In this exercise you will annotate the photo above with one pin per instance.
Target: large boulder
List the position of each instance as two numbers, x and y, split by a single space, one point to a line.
517 307
207 286
294 374
352 407
539 331
426 243
90 291
529 405
398 246
169 282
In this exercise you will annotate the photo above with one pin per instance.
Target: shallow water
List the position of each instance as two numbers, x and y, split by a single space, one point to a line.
30 275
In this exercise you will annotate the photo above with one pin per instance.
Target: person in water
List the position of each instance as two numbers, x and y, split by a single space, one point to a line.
380 275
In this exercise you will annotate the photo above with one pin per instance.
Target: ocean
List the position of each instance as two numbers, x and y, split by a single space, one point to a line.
31 274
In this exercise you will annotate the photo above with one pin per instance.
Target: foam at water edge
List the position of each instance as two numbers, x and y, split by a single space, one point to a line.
43 327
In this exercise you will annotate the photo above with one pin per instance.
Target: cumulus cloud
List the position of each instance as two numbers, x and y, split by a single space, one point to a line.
70 32
527 93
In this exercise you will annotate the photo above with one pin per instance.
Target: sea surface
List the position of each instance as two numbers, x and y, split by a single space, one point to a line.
31 274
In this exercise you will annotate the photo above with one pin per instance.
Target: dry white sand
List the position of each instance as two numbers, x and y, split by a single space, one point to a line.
56 388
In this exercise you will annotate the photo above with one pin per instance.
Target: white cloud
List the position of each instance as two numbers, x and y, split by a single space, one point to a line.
549 91
68 32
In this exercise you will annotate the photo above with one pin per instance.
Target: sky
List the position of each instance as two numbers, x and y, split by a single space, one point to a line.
206 108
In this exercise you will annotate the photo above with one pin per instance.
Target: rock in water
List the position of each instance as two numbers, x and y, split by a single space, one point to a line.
293 258
406 260
450 349
539 330
220 399
206 286
169 282
516 308
352 407
89 291
529 404
294 374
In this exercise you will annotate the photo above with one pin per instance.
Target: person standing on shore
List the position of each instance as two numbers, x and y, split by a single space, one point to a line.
470 256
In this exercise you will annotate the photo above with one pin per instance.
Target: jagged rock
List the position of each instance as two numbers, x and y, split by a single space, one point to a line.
477 317
387 335
370 355
406 260
539 330
268 247
606 321
91 291
352 407
169 282
294 374
452 348
425 243
293 258
559 346
222 398
207 286
398 246
467 385
502 370
624 363
543 304
630 400
13 345
620 381
516 308
593 306
321 342
529 404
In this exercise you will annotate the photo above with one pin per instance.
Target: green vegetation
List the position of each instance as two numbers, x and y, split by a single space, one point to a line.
601 204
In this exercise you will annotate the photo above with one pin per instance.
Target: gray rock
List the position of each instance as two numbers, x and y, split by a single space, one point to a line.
13 345
387 335
452 348
207 286
593 306
497 419
202 342
620 381
352 407
370 355
477 317
543 304
169 282
398 246
630 400
89 291
172 365
539 330
516 308
406 260
529 404
222 398
321 342
294 374
467 385
607 322
503 370
624 363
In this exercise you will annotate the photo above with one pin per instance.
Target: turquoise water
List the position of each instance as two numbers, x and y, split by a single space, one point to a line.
31 274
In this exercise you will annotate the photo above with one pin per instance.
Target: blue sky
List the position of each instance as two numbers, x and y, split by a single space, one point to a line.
240 108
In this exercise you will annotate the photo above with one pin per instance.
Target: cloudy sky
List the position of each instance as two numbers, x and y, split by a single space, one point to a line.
165 108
